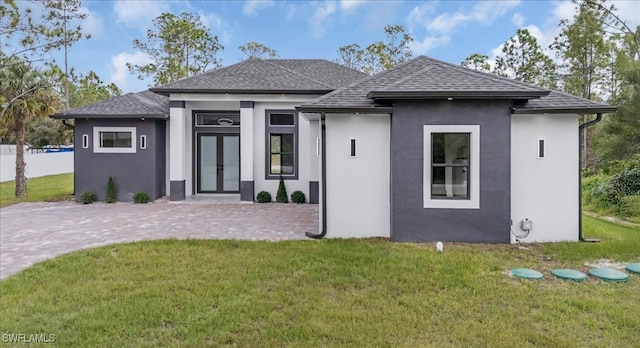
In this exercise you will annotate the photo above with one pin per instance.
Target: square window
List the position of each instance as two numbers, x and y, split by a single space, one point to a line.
451 167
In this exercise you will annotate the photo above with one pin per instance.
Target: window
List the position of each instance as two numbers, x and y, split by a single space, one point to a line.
451 167
114 139
281 144
218 119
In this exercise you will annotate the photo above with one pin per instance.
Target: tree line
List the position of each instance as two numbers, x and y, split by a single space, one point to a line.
599 57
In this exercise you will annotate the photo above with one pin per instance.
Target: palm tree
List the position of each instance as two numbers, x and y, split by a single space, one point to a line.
26 96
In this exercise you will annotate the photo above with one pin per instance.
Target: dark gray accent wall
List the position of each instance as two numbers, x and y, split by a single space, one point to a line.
246 191
410 222
143 171
246 104
177 104
314 192
177 190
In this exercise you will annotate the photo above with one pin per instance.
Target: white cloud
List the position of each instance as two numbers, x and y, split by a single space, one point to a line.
628 11
121 75
93 24
138 14
419 15
251 7
517 19
484 12
429 43
321 18
346 5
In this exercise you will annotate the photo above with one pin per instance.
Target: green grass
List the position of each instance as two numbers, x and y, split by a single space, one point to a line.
46 188
360 293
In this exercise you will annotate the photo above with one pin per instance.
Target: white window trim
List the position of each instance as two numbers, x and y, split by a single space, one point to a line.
474 166
96 140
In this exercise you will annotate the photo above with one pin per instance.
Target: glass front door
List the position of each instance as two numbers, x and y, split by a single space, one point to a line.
218 163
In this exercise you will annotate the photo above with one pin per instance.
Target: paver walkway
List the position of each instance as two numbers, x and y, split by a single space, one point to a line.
32 232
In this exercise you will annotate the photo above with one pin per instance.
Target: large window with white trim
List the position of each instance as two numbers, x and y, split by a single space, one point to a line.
281 144
451 167
114 139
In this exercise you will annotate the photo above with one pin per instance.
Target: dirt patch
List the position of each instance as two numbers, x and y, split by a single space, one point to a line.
605 263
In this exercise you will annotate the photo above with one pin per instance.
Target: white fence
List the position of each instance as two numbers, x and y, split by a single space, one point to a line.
39 164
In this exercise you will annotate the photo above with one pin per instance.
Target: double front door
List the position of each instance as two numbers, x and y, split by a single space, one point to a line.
218 163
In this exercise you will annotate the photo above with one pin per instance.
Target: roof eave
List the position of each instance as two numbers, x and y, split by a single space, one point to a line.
345 109
168 91
457 94
108 116
565 110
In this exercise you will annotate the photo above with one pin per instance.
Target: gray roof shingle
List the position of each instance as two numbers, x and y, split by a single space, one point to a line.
561 102
302 76
427 78
131 105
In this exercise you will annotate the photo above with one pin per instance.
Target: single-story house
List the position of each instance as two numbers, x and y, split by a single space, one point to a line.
425 151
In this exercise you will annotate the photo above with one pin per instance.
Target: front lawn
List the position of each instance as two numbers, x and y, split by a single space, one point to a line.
360 293
46 188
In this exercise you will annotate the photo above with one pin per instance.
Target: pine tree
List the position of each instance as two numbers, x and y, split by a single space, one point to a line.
112 195
281 196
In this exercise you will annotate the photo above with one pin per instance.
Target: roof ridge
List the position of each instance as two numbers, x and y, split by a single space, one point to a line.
408 77
146 101
299 74
339 90
487 75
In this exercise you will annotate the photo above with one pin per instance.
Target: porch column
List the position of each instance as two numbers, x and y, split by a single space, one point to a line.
177 150
246 151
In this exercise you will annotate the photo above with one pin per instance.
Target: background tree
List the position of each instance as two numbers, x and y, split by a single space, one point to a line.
379 55
179 46
524 60
257 50
478 62
31 99
63 16
582 45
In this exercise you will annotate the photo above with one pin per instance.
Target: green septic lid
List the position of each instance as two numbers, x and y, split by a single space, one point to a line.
526 273
609 275
634 268
569 274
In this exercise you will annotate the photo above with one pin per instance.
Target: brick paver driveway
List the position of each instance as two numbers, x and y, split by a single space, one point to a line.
32 232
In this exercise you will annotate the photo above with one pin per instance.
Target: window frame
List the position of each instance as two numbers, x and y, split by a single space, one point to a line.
473 202
97 146
281 129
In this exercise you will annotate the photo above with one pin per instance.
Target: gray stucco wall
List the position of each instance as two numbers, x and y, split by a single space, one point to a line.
411 222
143 171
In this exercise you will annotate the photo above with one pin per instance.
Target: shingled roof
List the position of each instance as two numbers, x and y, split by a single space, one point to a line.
427 78
268 76
145 104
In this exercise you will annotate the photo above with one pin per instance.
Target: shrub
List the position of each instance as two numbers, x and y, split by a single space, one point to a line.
625 183
298 197
141 197
88 197
630 206
263 197
112 195
281 196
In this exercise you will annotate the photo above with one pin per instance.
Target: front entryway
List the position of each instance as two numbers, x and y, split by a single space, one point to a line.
218 163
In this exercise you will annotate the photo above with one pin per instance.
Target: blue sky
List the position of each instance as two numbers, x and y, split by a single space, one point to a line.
446 30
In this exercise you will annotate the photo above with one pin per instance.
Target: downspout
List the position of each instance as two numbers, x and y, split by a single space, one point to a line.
323 180
583 126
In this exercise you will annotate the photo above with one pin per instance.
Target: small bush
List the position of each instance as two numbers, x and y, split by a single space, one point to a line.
141 197
88 197
112 195
298 197
281 196
625 183
263 197
630 207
